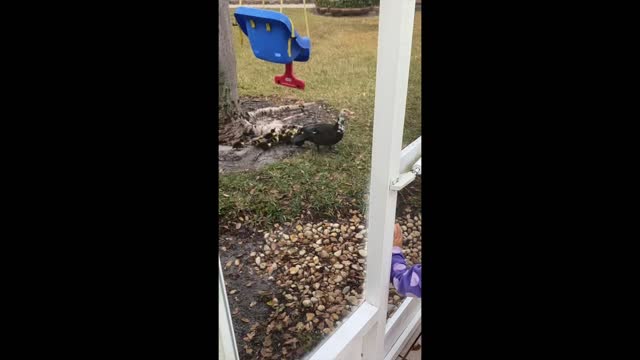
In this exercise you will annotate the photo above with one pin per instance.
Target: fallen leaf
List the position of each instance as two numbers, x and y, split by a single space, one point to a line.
245 320
249 336
253 303
267 342
266 352
238 226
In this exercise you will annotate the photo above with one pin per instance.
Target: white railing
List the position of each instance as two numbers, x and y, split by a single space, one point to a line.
410 155
404 323
227 349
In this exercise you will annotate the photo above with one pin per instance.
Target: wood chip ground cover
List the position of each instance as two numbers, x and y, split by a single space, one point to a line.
293 284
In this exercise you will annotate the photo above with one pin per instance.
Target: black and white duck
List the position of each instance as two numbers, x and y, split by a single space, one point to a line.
323 134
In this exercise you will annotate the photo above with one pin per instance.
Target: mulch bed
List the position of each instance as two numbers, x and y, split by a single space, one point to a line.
291 285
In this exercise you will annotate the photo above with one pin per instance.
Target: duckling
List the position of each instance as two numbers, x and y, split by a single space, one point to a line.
275 137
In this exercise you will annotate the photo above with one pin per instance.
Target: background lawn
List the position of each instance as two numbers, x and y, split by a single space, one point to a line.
341 72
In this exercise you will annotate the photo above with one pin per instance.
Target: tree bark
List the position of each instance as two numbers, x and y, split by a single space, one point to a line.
227 75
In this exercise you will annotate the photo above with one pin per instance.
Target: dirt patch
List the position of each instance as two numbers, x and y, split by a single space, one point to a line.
252 158
247 292
267 116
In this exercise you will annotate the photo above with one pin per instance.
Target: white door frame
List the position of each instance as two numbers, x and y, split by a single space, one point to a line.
227 346
366 333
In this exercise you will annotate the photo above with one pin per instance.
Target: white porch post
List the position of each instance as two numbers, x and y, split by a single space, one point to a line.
227 347
394 53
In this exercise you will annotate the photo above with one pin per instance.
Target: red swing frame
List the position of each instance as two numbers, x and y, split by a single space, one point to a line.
288 79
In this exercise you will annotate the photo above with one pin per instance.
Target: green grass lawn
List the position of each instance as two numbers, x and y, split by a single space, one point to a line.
341 72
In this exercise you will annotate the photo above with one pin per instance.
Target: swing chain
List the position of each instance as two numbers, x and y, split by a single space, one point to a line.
239 30
306 21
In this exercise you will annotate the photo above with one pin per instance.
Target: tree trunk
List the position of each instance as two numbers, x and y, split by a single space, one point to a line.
227 75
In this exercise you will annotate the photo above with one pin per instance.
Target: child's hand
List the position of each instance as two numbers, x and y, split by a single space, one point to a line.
397 236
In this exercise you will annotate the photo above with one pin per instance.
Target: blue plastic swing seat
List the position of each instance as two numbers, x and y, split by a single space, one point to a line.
269 33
